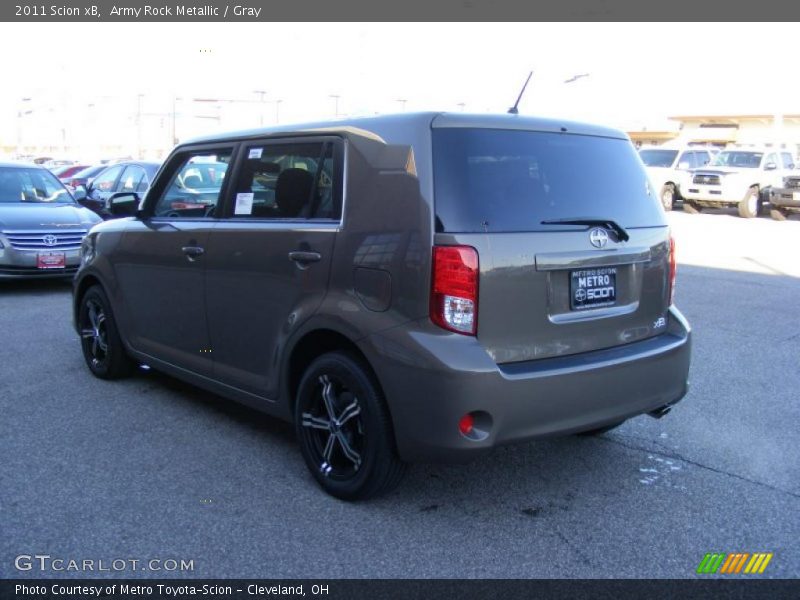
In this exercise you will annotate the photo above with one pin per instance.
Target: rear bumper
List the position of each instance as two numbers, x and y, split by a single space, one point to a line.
430 387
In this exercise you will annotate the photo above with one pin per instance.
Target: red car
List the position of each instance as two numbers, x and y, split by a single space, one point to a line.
67 171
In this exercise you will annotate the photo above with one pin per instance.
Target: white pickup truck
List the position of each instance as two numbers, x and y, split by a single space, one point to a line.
666 165
737 177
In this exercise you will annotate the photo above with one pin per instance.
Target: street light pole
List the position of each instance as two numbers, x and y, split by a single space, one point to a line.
139 126
336 104
261 94
277 111
175 120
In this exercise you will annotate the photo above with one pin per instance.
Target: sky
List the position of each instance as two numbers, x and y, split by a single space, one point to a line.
638 73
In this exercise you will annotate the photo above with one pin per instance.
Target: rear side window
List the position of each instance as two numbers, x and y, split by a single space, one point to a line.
288 181
500 181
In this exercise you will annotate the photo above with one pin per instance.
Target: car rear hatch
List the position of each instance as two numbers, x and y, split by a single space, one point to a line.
573 246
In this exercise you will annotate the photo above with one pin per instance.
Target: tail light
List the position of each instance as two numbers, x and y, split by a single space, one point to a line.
673 267
454 289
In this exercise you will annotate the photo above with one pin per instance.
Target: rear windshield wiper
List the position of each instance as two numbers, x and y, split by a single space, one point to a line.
622 235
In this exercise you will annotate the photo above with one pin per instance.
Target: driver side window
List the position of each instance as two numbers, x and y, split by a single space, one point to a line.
195 186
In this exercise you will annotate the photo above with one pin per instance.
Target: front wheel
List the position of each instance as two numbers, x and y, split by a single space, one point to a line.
344 429
750 205
102 346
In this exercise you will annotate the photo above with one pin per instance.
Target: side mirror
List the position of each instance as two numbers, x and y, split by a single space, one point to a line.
79 194
124 204
684 164
770 166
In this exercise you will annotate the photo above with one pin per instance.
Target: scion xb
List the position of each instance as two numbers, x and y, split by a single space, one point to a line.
420 287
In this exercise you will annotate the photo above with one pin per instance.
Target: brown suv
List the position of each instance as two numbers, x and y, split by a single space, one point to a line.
419 287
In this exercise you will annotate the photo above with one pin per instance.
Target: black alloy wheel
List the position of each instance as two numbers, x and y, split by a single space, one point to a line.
100 341
344 429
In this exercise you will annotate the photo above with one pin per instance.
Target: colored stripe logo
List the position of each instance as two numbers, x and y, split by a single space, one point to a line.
734 563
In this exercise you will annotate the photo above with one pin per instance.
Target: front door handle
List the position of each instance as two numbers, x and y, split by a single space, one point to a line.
193 252
304 256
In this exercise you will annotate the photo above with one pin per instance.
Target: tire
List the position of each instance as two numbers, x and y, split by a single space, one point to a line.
750 205
691 207
344 429
101 343
779 214
668 196
601 430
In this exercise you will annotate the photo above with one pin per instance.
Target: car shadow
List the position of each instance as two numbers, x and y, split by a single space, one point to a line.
10 287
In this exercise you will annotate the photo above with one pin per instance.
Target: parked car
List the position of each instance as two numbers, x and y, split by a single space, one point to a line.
785 200
83 177
120 178
54 163
41 225
666 165
737 177
419 287
64 172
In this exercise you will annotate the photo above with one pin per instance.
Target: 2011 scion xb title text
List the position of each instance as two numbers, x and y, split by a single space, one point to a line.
122 12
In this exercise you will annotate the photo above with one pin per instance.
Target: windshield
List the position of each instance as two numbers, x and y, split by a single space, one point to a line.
658 158
24 184
748 160
488 180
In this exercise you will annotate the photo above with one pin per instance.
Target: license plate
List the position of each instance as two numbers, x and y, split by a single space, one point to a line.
592 288
795 195
51 260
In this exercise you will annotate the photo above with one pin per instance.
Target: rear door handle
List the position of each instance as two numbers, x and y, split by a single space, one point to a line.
303 256
193 252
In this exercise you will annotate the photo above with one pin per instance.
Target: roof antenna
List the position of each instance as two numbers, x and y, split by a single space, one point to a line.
513 110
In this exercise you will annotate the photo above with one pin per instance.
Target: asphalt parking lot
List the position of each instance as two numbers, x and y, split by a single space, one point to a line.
151 468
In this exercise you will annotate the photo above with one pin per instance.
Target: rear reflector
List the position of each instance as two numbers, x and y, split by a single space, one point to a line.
454 288
673 267
466 423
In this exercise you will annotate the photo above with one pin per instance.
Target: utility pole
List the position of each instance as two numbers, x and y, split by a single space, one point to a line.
335 104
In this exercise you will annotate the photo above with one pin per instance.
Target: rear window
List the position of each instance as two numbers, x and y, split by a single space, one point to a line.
488 180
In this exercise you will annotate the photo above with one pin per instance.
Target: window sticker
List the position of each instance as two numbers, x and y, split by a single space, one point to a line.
255 153
244 204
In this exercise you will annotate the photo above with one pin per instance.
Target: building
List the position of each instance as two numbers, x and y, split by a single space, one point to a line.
781 131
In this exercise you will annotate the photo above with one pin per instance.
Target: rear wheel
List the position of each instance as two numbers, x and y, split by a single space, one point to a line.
668 196
750 205
344 429
779 214
691 207
102 346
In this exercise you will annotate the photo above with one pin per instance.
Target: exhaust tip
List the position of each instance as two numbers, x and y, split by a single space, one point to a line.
660 412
